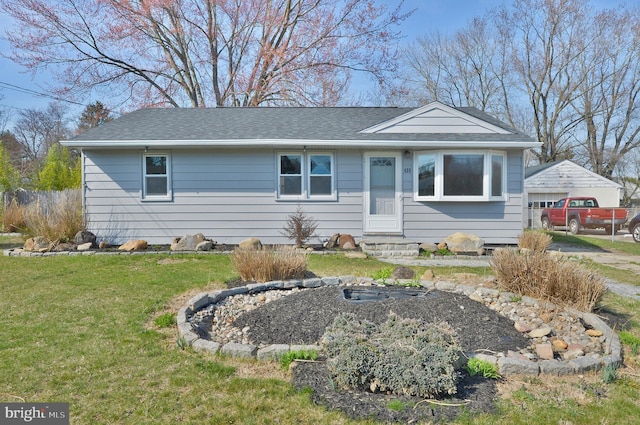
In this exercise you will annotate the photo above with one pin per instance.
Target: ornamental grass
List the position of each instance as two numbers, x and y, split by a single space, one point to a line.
536 274
267 264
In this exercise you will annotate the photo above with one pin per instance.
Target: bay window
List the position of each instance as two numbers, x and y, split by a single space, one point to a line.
459 176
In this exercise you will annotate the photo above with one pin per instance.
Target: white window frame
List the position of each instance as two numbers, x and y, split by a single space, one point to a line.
305 175
439 195
168 196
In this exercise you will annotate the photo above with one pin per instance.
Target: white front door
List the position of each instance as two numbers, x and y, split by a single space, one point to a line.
382 193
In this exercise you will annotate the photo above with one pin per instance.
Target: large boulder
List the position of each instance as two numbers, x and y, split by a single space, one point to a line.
346 241
134 245
460 243
85 236
251 244
190 243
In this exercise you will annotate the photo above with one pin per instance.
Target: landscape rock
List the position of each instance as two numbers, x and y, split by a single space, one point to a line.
188 242
428 247
85 246
559 345
84 237
428 275
251 244
594 332
522 327
540 332
333 241
544 351
356 254
346 241
65 246
134 245
205 245
464 243
37 244
403 272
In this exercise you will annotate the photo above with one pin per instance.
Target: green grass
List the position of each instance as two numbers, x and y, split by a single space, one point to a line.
81 330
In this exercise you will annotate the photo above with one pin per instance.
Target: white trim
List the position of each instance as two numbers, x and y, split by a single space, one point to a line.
289 143
430 107
383 224
439 195
156 198
305 176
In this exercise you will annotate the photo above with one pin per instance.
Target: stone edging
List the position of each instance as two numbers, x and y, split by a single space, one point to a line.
506 365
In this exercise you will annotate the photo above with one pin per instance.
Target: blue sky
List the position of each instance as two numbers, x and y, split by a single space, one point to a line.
443 15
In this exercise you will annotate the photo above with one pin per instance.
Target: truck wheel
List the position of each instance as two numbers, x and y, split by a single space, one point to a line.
608 229
574 226
546 224
635 232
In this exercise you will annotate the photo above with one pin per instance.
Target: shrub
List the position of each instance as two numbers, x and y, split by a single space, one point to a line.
299 227
57 216
534 241
268 264
566 283
401 356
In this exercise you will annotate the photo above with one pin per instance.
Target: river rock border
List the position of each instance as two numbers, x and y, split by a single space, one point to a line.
506 365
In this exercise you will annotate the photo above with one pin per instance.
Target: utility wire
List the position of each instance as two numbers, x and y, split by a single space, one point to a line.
25 90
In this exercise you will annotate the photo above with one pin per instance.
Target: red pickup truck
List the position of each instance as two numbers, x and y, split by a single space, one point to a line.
582 213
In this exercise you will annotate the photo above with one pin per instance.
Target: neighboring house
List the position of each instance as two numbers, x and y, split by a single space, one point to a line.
544 184
234 173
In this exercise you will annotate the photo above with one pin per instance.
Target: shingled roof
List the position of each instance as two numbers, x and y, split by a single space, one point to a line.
339 126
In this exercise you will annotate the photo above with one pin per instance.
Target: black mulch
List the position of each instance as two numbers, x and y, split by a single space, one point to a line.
302 319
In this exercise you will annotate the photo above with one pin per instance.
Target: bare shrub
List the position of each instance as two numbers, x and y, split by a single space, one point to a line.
13 217
268 264
566 283
299 227
534 241
57 218
401 356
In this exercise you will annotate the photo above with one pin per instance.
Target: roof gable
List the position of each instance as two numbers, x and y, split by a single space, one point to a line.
567 173
436 118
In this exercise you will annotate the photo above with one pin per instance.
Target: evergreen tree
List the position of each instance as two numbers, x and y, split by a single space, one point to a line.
60 171
92 116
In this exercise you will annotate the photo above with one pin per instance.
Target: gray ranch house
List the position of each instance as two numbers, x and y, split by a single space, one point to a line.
234 173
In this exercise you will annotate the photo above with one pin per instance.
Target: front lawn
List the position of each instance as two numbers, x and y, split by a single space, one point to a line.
80 330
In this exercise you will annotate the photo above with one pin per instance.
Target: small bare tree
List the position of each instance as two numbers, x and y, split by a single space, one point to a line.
299 227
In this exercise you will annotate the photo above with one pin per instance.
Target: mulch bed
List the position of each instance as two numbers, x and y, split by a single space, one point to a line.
302 319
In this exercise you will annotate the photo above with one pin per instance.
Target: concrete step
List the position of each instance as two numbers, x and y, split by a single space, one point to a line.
389 247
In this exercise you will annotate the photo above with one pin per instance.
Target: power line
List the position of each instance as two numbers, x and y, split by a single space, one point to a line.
25 90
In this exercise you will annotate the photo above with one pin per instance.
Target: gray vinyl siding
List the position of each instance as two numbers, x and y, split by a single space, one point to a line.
230 195
497 222
226 195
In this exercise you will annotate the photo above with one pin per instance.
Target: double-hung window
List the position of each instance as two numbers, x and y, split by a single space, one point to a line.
306 175
156 181
459 176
